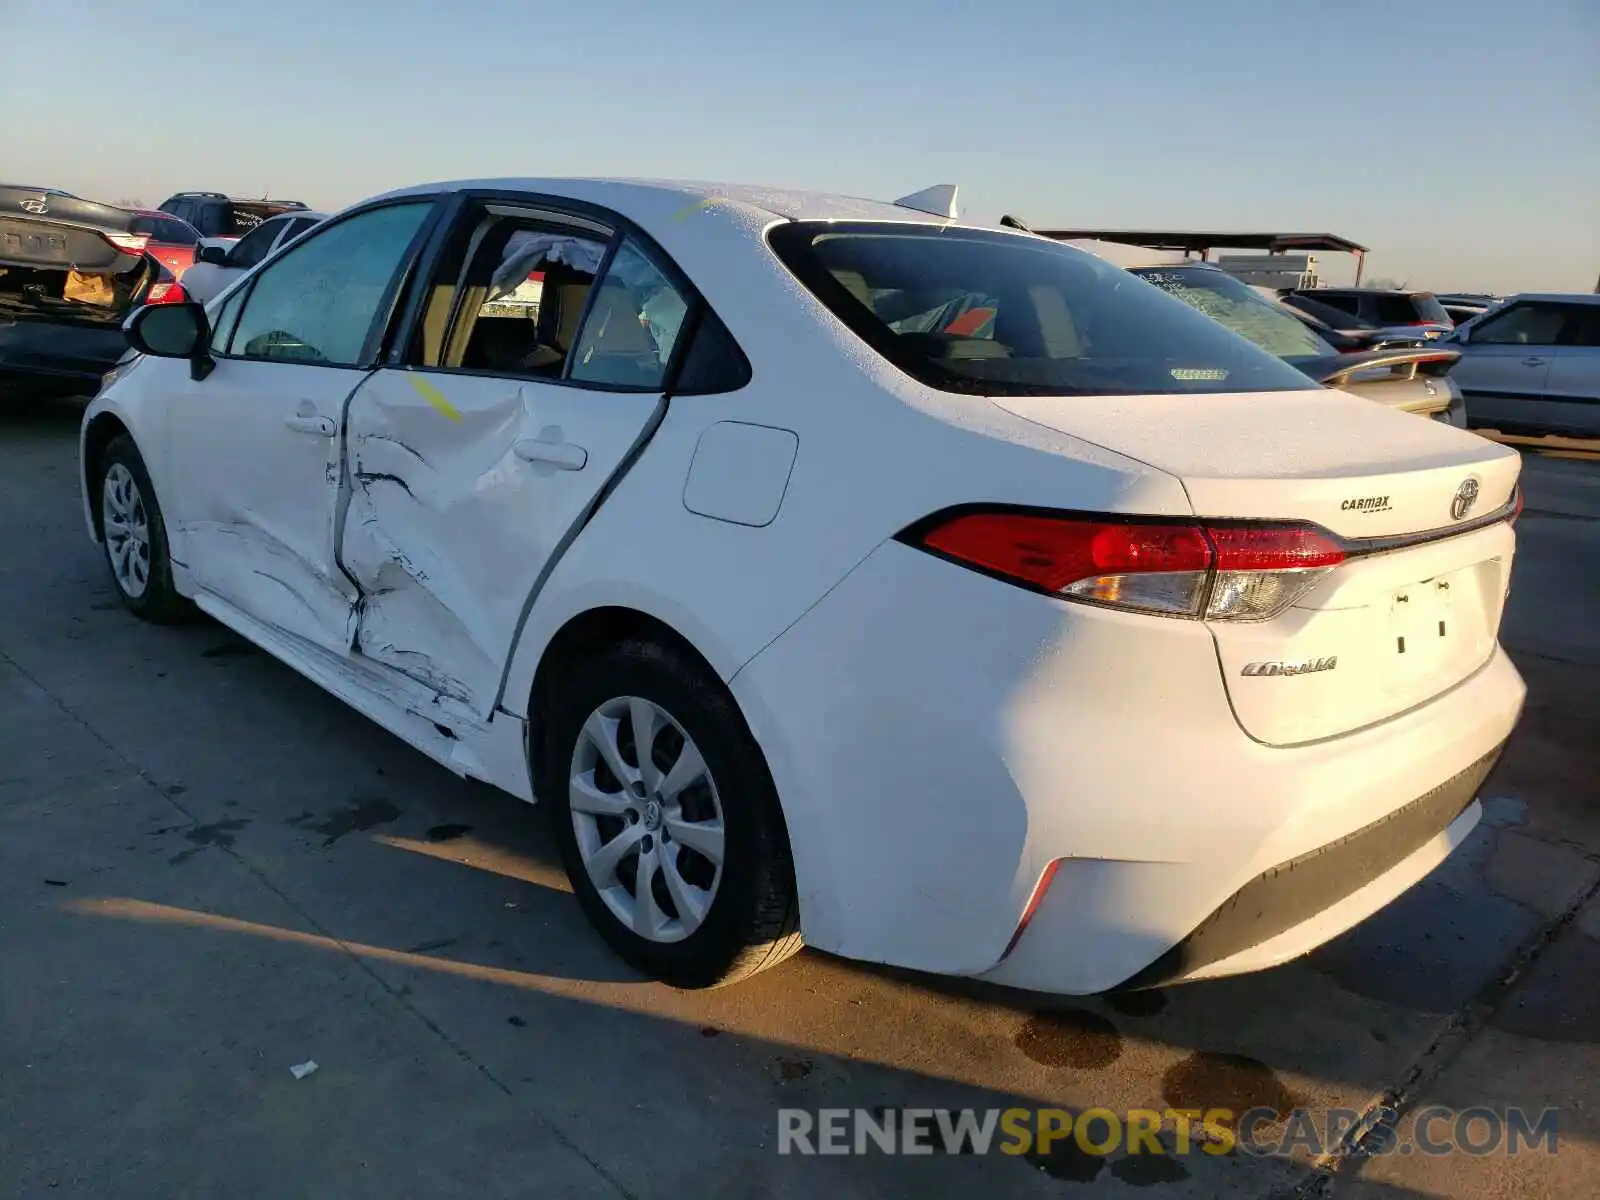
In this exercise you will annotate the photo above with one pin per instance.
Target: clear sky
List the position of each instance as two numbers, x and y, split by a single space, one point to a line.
1460 139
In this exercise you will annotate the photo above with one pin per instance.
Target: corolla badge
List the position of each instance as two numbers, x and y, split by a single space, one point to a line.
37 206
1309 667
1466 496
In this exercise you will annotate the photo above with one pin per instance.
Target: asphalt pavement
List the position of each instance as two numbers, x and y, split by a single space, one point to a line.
212 872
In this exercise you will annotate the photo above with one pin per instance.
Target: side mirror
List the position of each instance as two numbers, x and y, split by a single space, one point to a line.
172 331
215 255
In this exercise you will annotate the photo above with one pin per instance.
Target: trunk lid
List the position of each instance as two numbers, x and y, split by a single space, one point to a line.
66 261
49 229
1415 607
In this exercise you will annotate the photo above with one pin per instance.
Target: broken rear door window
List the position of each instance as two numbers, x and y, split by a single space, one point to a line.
521 300
632 329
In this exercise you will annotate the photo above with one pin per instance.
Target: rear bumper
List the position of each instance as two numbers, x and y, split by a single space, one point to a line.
1304 892
43 356
943 743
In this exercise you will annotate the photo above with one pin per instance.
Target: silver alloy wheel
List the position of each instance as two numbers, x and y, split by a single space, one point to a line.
127 530
647 817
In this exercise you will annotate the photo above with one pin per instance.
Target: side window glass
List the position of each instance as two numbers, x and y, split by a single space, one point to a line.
223 319
317 302
1522 325
713 363
253 246
1585 330
1394 310
296 227
522 298
633 325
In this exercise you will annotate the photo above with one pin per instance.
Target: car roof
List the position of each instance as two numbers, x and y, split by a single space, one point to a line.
636 198
1559 297
1362 291
218 196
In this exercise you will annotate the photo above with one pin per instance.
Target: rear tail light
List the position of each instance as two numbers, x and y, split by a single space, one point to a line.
166 293
1224 571
129 243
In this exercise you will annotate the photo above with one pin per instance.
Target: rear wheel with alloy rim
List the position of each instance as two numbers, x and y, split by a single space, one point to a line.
667 818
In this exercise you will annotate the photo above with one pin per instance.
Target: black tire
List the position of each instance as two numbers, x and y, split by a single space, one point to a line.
753 920
159 603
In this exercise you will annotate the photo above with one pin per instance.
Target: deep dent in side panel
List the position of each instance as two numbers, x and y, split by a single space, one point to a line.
400 501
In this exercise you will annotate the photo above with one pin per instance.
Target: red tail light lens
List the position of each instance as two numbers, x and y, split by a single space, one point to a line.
129 243
1150 567
1273 547
1175 568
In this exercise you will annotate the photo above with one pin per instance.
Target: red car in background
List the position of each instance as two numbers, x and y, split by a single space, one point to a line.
172 240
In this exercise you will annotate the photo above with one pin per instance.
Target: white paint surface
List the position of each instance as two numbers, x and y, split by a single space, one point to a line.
740 472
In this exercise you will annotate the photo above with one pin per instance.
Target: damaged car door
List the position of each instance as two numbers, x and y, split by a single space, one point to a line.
536 364
255 443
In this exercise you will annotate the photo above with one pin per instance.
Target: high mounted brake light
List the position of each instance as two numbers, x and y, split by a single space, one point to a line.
1215 570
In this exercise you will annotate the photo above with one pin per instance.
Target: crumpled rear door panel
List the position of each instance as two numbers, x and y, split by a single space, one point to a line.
449 525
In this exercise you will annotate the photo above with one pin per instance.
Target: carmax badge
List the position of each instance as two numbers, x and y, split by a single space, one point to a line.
1310 667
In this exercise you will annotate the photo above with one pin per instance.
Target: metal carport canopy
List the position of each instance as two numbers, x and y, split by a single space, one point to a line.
1191 242
1169 239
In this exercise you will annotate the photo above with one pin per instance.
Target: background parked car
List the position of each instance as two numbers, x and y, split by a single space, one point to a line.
1347 332
225 217
172 240
1412 378
70 270
1415 310
1532 366
1464 306
220 265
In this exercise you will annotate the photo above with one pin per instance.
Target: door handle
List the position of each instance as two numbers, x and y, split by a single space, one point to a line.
1533 360
561 455
317 426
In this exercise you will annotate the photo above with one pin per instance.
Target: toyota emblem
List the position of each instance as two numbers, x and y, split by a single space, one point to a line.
1466 496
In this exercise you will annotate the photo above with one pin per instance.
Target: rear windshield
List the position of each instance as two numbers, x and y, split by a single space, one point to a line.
1425 305
247 214
1240 307
1337 318
164 229
1000 314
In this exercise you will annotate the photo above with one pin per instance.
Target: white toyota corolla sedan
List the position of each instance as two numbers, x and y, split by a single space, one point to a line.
834 569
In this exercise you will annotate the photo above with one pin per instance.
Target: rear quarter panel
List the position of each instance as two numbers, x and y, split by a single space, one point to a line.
875 452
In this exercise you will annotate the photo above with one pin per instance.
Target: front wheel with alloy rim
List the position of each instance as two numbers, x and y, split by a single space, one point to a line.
667 818
135 536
